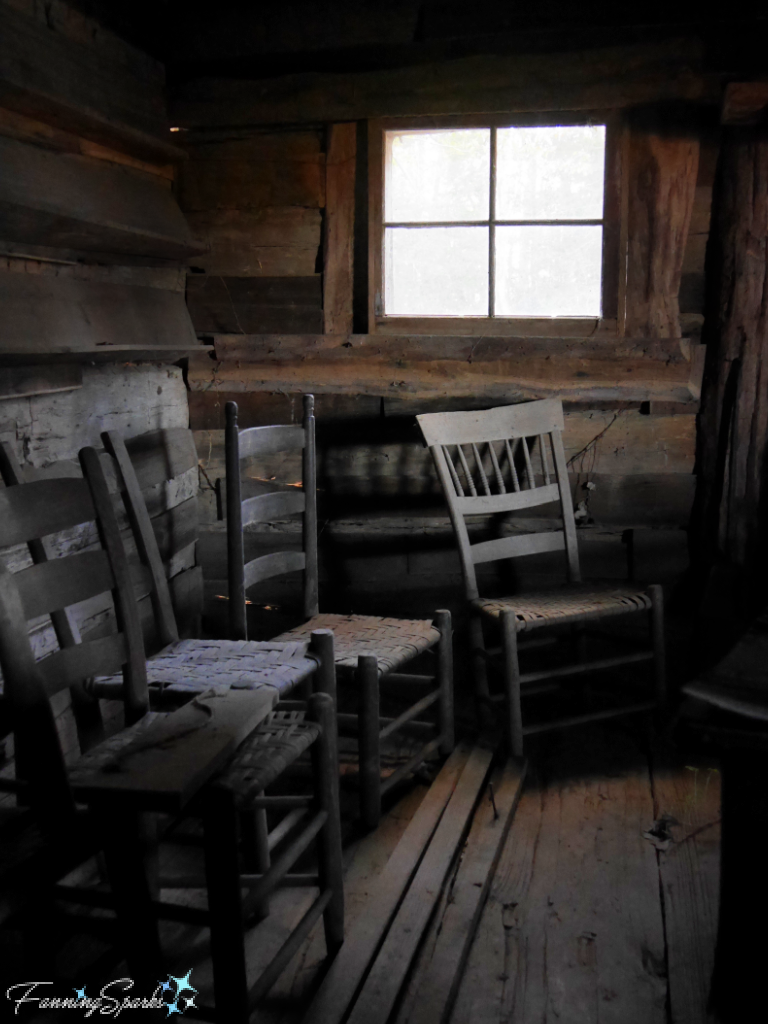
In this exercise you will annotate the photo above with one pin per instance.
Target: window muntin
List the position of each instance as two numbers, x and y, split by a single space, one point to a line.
494 222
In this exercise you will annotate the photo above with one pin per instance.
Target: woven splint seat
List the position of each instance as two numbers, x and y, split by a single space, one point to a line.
572 604
192 666
393 641
274 746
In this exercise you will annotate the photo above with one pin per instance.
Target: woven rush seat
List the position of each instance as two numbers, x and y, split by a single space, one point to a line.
571 604
192 666
280 739
393 641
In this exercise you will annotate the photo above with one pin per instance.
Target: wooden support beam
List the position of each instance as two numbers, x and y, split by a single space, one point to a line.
338 242
609 77
23 381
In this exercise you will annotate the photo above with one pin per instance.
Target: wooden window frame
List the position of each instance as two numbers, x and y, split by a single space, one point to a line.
614 230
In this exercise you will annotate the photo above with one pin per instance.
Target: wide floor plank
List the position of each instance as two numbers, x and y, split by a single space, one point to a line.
573 927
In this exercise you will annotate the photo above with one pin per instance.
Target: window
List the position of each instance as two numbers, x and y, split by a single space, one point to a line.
509 222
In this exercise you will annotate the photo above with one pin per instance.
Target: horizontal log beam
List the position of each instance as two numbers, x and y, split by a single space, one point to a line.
593 79
496 369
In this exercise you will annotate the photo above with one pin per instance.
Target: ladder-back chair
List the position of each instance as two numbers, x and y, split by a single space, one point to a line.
368 649
501 461
53 788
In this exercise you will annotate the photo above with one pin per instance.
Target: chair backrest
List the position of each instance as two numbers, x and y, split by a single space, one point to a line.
503 460
30 512
261 441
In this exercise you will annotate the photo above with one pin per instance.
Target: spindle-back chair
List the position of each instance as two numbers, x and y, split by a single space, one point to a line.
369 649
501 461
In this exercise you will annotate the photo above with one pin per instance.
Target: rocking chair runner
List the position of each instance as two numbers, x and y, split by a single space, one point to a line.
369 648
503 460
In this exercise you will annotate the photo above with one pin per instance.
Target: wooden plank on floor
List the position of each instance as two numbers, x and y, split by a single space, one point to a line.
433 989
572 930
348 969
690 879
386 978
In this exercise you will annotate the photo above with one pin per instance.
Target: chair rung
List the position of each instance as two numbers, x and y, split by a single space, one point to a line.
407 679
592 716
408 767
299 880
410 713
585 666
280 868
287 825
280 803
289 948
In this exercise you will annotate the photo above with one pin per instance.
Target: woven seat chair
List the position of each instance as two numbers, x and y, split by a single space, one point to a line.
500 461
54 790
370 650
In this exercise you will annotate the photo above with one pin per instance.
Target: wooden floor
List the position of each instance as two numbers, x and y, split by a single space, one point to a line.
602 908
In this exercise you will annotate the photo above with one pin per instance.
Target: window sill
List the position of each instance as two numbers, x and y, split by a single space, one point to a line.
497 327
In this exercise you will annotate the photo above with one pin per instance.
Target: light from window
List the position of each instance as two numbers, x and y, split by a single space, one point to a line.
494 221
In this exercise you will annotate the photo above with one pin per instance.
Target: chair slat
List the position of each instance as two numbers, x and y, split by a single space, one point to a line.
511 461
487 504
467 474
452 470
544 460
528 466
269 440
522 420
64 581
497 469
102 657
480 469
513 547
275 564
264 507
41 508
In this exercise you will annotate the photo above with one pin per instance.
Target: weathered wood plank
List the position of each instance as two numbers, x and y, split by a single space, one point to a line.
93 85
173 756
572 929
496 369
744 103
278 241
347 971
255 304
433 989
44 314
663 160
75 202
610 77
688 798
260 171
387 975
338 243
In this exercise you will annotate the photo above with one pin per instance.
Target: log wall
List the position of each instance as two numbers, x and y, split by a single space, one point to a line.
632 396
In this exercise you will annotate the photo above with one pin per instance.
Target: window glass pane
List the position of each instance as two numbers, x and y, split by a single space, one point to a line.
437 175
548 270
550 173
436 271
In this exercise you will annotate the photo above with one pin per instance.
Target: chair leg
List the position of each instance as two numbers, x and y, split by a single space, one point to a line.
512 682
445 680
324 679
255 843
479 669
222 870
325 762
659 645
369 727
